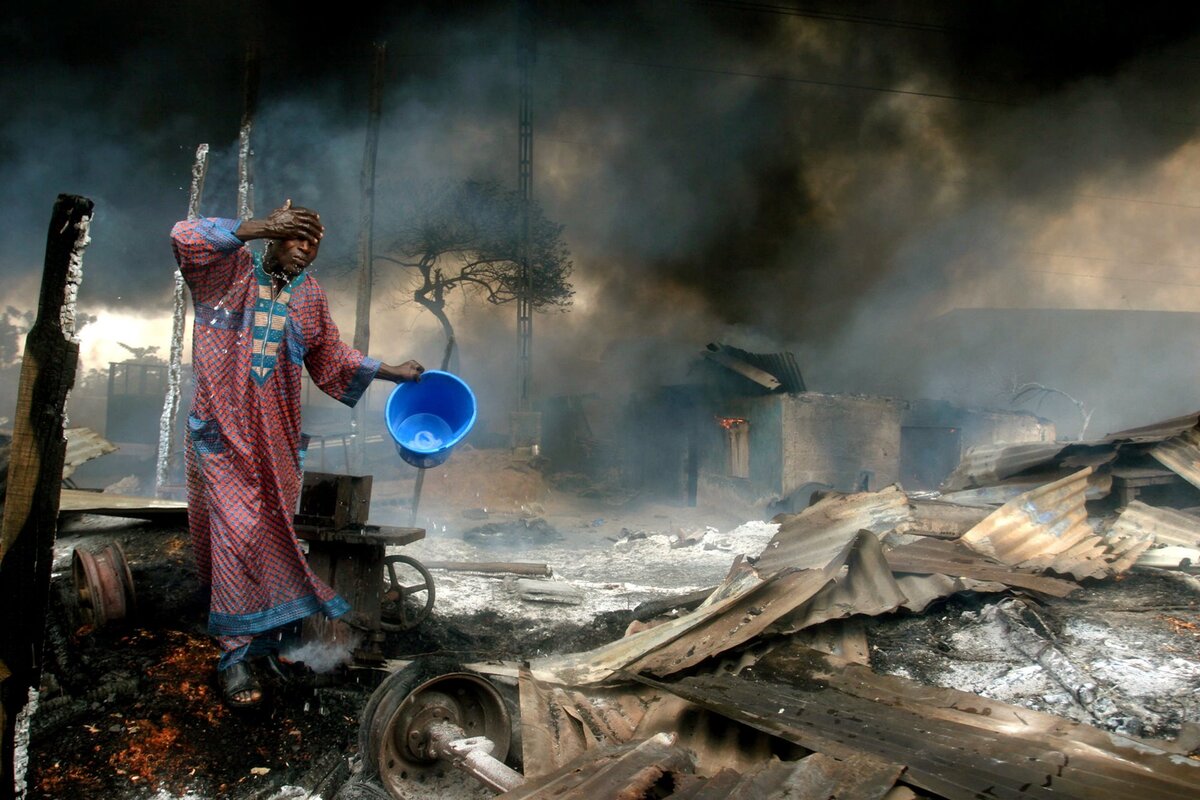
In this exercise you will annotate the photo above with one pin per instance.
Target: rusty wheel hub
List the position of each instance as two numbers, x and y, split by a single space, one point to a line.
397 732
103 584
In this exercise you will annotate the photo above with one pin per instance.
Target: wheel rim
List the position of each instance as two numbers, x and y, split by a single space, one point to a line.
397 726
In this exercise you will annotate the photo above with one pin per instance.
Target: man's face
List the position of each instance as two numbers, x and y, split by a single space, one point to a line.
295 255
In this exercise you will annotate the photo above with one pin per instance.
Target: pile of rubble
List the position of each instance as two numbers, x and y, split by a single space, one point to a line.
765 688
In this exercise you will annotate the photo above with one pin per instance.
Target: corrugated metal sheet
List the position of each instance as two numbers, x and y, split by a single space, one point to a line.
1099 487
921 590
631 770
1163 525
782 366
814 537
1181 454
1046 528
941 517
987 464
84 444
1156 432
844 638
936 557
954 744
865 586
760 376
856 581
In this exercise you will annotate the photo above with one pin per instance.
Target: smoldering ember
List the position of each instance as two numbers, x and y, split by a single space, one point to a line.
536 399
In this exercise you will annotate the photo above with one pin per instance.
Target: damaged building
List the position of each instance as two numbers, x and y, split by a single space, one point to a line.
748 430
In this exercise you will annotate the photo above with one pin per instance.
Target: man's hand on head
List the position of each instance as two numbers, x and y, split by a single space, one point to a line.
284 223
409 371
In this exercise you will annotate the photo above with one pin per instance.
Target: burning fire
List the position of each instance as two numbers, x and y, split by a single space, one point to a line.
729 423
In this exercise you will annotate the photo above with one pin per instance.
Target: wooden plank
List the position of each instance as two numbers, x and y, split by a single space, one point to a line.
39 449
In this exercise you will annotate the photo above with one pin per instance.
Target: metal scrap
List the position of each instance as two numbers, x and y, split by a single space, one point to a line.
812 538
952 743
1046 529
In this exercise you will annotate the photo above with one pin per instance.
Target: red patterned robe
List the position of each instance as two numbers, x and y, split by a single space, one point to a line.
244 442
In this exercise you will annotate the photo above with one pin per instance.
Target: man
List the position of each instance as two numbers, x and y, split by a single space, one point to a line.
259 319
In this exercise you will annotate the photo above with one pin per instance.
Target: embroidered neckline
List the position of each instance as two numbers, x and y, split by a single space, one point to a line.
270 320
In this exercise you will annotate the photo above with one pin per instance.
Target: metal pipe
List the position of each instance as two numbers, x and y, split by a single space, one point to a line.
472 755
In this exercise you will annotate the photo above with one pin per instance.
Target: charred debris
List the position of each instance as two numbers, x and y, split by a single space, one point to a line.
1027 626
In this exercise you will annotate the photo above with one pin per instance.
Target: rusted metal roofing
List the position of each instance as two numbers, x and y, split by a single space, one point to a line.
84 444
987 464
937 557
1163 525
921 590
559 724
1044 529
1156 432
955 744
782 366
857 580
1181 454
844 638
630 770
760 376
997 494
661 767
812 538
942 518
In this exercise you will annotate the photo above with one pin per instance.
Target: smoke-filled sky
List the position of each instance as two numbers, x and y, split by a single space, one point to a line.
832 180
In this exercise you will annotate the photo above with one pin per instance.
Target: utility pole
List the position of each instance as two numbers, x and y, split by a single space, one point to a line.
526 423
366 247
525 189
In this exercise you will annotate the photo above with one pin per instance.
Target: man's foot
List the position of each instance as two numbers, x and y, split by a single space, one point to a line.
239 686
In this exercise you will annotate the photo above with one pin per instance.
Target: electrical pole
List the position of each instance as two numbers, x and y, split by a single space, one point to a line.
525 45
526 423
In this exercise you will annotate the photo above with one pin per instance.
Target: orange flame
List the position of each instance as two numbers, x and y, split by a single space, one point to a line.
729 423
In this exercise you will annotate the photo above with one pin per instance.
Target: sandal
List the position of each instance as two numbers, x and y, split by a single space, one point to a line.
237 679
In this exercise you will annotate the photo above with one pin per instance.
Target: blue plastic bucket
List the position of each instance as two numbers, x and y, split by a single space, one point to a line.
426 419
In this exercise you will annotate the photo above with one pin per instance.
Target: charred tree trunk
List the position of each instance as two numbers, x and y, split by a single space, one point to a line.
35 477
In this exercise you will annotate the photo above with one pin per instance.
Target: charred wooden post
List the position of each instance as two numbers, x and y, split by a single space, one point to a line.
35 477
170 413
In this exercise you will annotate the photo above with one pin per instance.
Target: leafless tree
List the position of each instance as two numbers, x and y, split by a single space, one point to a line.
467 237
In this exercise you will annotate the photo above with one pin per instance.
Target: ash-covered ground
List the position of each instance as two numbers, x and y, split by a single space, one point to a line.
134 712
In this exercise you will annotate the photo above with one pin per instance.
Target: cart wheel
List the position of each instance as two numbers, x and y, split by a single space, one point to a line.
403 608
391 739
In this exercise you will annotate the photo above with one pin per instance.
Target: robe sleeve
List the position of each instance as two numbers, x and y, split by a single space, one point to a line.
335 367
210 256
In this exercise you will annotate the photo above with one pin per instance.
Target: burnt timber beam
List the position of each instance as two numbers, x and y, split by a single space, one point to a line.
39 450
